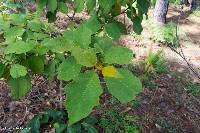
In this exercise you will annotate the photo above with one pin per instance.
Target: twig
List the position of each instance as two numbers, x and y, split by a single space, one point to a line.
181 53
71 17
124 11
60 93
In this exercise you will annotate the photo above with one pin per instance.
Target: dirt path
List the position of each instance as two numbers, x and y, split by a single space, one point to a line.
189 30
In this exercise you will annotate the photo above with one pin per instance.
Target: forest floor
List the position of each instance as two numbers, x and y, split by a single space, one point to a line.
170 108
189 40
170 102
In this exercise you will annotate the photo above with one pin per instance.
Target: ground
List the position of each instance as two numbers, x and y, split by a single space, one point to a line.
165 104
189 35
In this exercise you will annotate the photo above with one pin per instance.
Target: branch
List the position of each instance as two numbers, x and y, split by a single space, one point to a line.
181 53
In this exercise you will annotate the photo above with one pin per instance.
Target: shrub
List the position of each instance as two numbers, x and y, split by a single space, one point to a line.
83 56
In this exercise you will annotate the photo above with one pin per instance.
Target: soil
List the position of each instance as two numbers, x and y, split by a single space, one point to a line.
169 108
43 96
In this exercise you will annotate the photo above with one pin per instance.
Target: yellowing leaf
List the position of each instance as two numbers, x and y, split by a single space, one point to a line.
110 71
116 10
125 88
99 67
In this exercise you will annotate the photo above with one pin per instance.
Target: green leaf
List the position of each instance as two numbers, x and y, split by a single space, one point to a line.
58 44
37 36
137 25
91 5
62 7
106 5
90 120
17 19
51 17
93 24
143 6
19 87
54 114
102 44
34 124
40 5
36 64
52 117
131 12
118 55
40 49
70 130
60 57
69 69
3 24
70 35
17 71
85 57
124 88
19 47
35 25
12 33
89 128
1 69
115 30
79 5
25 130
82 95
52 5
51 69
61 128
83 36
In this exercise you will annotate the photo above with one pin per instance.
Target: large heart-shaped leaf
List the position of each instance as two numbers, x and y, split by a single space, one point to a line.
115 30
59 44
69 69
124 87
85 57
118 55
19 47
82 95
52 5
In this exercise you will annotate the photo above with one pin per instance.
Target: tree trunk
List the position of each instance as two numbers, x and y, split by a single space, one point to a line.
192 4
160 11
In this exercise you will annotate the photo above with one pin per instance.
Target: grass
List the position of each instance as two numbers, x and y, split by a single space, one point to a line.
189 86
165 125
166 34
155 63
196 12
193 89
115 121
